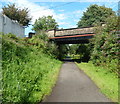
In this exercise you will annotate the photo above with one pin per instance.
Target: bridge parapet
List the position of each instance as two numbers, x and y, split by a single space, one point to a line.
71 31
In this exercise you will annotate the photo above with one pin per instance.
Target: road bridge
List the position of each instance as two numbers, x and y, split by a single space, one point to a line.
71 35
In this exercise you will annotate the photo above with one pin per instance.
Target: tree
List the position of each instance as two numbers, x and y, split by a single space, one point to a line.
95 15
63 51
18 14
111 24
73 48
84 51
45 23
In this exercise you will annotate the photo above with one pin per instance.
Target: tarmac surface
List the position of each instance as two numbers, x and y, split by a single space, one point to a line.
74 85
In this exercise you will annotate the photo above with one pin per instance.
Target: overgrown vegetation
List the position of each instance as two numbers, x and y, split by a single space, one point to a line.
40 40
103 49
30 66
104 79
29 72
106 51
106 46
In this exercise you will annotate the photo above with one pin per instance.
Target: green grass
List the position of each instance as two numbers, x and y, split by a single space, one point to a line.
105 80
28 74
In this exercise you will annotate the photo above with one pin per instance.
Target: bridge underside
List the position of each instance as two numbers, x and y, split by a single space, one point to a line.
72 40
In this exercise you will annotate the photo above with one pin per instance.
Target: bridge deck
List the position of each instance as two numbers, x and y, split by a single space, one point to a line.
71 36
77 39
70 31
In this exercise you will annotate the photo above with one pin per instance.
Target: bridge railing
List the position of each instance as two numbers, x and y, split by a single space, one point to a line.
71 31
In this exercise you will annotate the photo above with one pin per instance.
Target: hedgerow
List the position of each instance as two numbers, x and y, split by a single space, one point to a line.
28 74
106 46
105 51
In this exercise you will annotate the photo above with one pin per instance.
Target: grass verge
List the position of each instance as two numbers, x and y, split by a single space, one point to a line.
28 74
105 80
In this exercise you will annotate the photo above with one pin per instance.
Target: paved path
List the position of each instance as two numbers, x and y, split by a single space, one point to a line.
74 86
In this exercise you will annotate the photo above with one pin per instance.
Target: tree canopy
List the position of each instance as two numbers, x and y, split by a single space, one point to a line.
18 14
95 15
45 23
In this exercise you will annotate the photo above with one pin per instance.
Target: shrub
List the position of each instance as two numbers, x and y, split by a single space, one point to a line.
105 51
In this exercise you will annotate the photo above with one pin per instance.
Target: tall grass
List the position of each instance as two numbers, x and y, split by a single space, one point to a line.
28 73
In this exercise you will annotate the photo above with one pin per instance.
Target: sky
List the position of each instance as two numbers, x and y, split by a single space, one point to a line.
66 12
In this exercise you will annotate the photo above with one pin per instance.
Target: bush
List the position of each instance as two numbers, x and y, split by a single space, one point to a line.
106 45
41 41
106 50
